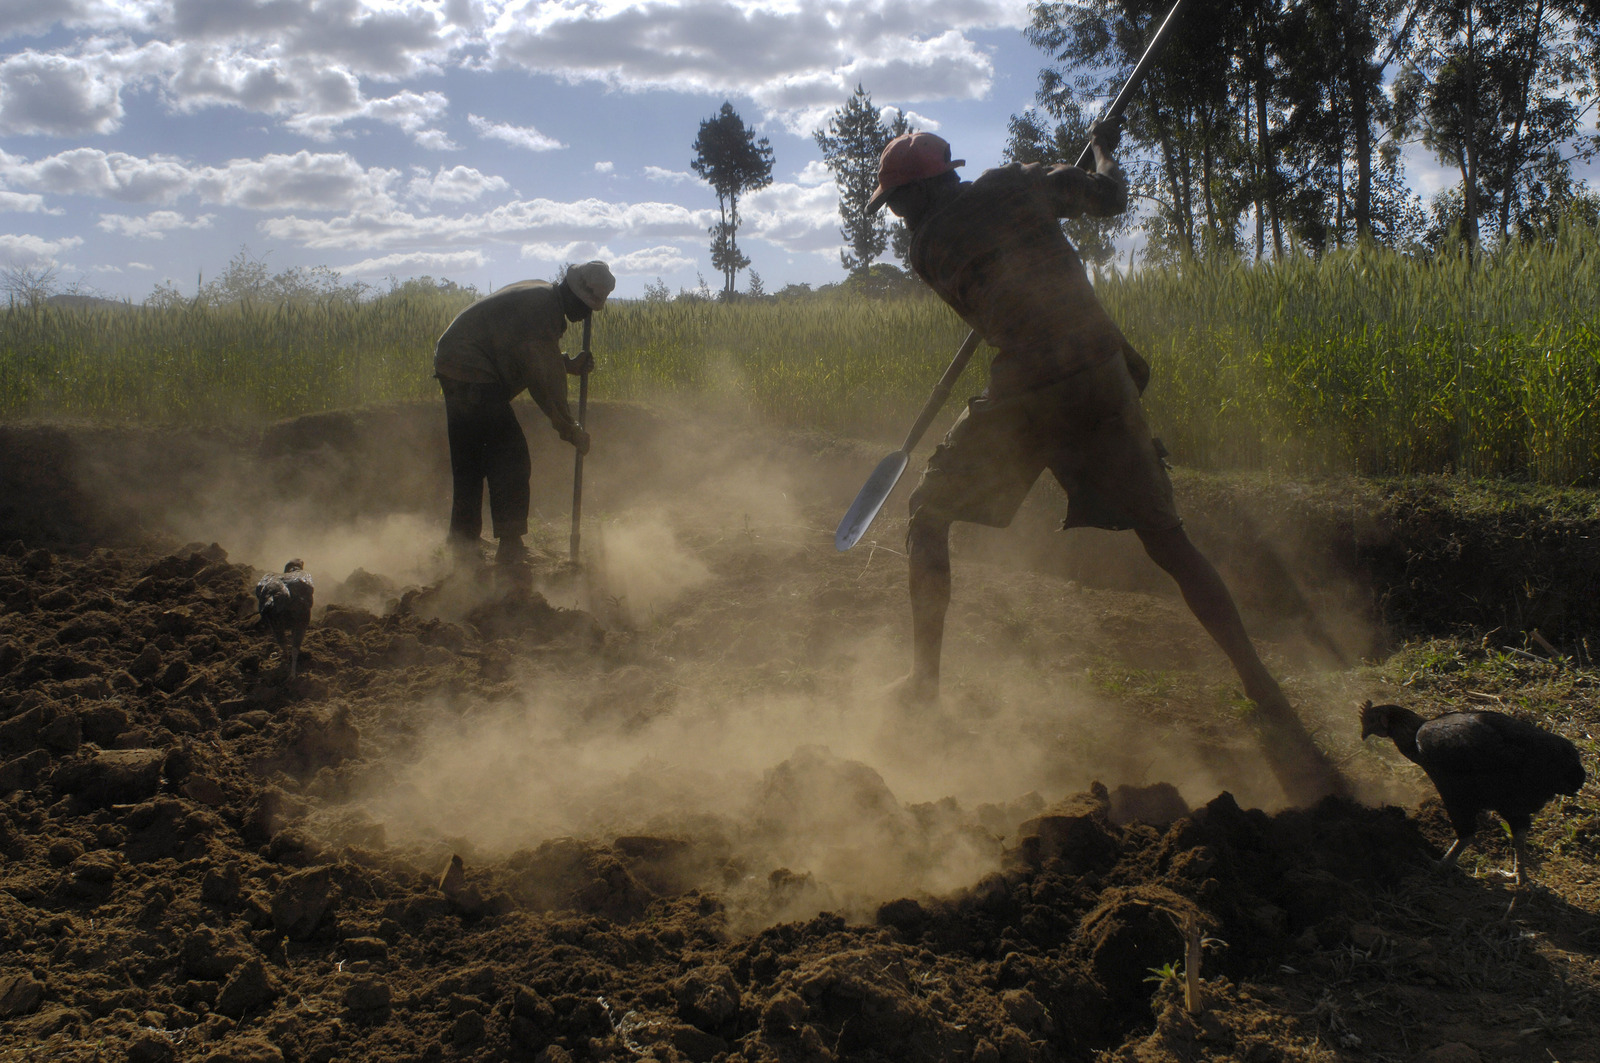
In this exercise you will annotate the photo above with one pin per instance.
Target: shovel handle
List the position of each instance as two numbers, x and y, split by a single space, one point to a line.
876 490
941 392
1120 104
577 462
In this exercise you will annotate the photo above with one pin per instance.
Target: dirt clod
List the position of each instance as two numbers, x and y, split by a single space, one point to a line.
367 993
249 987
302 901
20 993
245 1049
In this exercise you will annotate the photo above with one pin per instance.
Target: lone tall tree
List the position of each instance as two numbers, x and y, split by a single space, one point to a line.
854 138
732 161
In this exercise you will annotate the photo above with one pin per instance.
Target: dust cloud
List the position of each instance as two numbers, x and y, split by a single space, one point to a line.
856 798
641 567
756 724
772 783
404 547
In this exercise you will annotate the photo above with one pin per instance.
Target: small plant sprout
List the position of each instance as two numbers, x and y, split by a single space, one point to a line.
1167 972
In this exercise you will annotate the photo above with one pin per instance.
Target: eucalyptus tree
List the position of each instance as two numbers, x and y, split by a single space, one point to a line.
732 161
1256 74
1181 137
851 142
1337 138
1497 89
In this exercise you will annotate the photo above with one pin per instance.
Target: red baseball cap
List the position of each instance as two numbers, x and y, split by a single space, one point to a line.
910 157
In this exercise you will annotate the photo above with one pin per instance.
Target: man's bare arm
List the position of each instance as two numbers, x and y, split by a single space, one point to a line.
1103 193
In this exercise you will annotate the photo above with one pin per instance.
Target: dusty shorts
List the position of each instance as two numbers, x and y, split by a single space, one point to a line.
1089 430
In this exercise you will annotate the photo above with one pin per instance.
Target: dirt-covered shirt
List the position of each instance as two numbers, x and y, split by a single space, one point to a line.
511 338
994 250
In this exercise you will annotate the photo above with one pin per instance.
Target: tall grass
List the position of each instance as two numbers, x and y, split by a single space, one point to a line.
213 365
837 363
842 364
1372 362
1361 361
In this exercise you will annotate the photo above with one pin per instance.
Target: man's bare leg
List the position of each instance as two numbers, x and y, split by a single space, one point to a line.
1302 769
928 543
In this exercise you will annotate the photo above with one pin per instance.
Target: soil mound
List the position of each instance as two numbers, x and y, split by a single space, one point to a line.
642 809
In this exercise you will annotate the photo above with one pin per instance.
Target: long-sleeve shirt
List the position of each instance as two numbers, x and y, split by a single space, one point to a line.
993 249
511 338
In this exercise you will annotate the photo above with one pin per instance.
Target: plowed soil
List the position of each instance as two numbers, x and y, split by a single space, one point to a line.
654 805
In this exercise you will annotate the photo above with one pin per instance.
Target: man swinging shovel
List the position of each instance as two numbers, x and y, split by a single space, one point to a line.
1063 394
907 166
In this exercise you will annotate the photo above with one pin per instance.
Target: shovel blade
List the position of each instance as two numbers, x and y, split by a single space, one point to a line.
870 499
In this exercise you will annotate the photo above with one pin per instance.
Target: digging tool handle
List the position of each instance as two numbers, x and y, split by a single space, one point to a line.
1120 104
941 392
876 490
577 462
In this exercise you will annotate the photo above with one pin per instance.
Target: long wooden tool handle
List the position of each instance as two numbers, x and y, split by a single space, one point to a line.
952 373
577 464
1120 104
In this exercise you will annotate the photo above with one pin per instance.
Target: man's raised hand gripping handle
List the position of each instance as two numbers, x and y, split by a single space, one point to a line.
1120 104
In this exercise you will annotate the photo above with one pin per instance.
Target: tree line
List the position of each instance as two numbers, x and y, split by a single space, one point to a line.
1267 127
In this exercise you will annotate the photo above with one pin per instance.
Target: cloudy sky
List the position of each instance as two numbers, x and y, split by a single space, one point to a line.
486 141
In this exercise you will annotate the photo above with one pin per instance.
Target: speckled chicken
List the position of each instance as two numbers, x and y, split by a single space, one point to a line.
1482 761
283 601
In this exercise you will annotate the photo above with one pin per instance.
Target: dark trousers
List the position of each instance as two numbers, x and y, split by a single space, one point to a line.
486 443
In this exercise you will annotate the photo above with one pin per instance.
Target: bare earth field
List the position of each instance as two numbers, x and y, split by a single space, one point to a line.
659 809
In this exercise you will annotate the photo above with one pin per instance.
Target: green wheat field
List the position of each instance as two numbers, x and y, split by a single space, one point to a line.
1365 362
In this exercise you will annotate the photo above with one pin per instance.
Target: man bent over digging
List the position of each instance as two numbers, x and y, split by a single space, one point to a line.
492 351
1063 395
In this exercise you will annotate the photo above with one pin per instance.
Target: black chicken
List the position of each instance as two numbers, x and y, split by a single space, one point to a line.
284 603
1482 761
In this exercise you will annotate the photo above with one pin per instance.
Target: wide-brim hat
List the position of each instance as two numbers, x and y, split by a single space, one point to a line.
591 282
910 157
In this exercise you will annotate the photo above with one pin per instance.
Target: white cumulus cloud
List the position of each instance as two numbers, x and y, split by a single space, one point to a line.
517 135
459 184
671 177
311 64
25 250
792 216
302 181
434 140
58 95
518 222
651 261
413 262
35 16
575 251
387 38
23 203
92 172
155 225
796 60
815 172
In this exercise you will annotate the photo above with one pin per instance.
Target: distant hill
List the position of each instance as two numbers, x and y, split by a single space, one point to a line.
84 302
